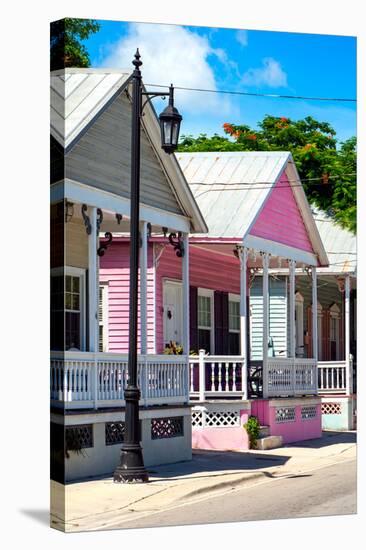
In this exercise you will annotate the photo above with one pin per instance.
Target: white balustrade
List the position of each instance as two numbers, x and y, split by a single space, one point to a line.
332 377
222 373
161 379
288 376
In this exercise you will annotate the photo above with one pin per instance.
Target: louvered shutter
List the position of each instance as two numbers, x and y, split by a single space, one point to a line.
193 322
221 307
326 335
103 318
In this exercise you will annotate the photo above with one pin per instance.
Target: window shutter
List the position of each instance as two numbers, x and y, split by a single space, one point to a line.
103 318
221 309
326 335
193 321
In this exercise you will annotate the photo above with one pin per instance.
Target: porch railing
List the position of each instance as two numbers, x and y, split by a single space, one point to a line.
288 376
96 380
213 376
332 377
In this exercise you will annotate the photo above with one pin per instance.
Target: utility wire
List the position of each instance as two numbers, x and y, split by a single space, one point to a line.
258 94
282 184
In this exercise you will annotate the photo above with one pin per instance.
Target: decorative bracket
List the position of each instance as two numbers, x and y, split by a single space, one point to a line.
86 219
119 218
177 244
99 219
340 284
104 245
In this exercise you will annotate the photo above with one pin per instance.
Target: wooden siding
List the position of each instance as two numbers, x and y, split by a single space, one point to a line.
206 270
76 244
101 158
277 317
115 270
280 220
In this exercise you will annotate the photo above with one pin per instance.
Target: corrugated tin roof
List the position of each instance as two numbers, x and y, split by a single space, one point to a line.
231 213
77 95
340 244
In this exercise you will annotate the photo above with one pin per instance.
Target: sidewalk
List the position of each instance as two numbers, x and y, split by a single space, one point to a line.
96 504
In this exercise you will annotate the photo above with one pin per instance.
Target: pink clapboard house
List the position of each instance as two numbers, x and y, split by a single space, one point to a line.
242 335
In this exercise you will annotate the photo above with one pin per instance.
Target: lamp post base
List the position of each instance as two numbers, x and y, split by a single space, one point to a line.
131 468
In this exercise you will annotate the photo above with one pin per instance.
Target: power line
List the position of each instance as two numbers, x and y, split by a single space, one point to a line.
282 184
258 94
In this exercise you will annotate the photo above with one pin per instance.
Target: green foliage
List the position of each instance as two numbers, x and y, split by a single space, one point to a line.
253 430
324 168
67 49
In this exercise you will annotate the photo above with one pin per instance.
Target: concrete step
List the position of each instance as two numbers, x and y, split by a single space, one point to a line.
269 442
264 431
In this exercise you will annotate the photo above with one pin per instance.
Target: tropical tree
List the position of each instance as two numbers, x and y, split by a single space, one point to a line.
67 49
328 172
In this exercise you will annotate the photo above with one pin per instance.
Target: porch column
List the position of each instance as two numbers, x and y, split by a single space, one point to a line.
292 346
185 285
93 282
315 313
349 374
143 289
265 260
243 320
93 298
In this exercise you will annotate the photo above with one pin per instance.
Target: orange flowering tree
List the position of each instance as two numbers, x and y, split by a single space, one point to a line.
323 163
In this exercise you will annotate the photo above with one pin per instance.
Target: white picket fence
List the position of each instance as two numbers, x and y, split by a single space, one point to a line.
83 380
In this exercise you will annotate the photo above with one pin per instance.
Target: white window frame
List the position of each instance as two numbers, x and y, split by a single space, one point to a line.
105 312
234 298
335 314
209 293
75 272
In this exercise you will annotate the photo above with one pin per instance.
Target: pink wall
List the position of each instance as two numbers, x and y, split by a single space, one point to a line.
299 430
222 439
207 270
114 269
281 220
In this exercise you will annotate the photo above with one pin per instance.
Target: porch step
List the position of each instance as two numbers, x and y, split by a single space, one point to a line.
264 431
269 442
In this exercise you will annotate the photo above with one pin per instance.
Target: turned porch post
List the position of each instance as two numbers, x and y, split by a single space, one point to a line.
315 313
143 289
185 284
265 260
243 321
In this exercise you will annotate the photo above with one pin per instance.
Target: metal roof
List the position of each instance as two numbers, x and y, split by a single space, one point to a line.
77 95
210 175
340 244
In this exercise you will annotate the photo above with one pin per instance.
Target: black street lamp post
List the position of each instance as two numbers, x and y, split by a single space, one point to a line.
131 467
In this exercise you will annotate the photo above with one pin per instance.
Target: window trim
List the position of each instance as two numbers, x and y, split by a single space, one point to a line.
81 273
234 298
208 293
105 312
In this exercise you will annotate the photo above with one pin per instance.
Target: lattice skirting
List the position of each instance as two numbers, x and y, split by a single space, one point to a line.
331 408
215 419
309 412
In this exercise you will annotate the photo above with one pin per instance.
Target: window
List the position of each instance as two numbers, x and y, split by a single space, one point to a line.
103 317
205 320
335 314
234 324
67 308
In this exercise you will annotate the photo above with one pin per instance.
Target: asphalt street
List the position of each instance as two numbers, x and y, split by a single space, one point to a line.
329 490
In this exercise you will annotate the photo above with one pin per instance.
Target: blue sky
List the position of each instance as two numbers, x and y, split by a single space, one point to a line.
237 60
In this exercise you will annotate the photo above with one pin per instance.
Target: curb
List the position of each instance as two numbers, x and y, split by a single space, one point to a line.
223 485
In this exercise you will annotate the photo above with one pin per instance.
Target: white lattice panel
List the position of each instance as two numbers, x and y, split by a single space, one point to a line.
197 419
309 412
222 419
331 408
285 414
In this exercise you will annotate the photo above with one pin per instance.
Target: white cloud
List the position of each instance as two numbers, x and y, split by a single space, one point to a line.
242 37
270 74
172 54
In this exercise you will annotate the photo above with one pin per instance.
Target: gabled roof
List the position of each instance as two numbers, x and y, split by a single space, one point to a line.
340 245
79 96
231 189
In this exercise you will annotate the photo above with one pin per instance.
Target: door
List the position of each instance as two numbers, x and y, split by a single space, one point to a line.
173 312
